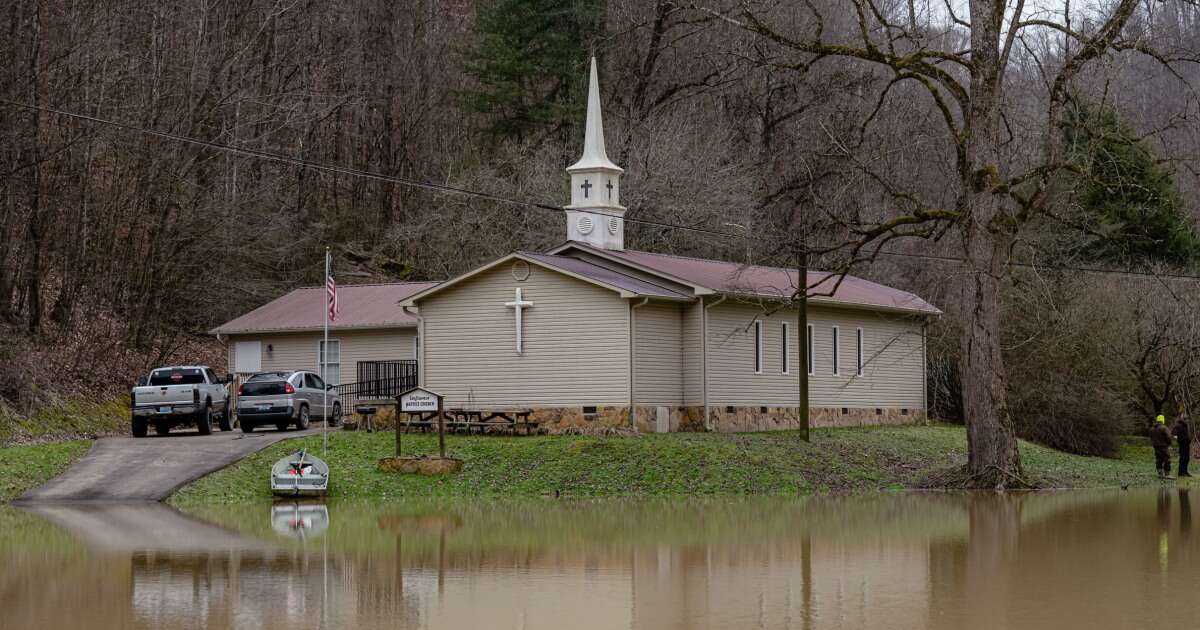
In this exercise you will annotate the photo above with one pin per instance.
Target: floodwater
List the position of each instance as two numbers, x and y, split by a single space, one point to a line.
1108 559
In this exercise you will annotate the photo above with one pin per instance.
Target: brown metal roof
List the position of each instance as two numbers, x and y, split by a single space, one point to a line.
753 280
359 306
606 275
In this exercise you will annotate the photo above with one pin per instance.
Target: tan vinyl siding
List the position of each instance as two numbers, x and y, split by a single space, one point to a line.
894 374
693 354
576 342
658 355
298 351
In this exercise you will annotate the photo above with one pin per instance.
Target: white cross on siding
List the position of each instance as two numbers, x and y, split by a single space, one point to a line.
517 306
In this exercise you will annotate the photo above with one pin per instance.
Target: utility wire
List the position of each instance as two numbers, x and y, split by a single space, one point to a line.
344 170
354 172
1026 265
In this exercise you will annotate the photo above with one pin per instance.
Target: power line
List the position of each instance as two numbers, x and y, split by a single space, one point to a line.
1025 265
344 170
354 172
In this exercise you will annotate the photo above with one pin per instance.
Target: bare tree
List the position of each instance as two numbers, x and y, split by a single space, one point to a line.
961 63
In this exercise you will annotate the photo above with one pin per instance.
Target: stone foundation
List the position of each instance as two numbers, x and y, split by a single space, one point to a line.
573 419
687 419
734 419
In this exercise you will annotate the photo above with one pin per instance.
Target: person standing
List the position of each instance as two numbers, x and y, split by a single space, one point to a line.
1183 437
1160 439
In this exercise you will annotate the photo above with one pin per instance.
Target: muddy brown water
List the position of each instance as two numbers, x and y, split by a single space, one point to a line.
1107 559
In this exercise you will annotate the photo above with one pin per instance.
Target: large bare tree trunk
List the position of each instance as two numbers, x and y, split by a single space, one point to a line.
987 232
993 460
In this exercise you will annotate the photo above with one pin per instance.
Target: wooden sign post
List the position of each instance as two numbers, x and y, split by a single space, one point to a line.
421 400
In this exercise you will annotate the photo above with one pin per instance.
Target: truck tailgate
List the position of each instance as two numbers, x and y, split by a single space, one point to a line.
150 395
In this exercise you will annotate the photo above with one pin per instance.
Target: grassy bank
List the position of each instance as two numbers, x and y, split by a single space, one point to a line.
25 467
64 419
837 460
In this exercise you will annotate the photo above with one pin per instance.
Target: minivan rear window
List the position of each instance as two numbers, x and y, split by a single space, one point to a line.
184 376
263 388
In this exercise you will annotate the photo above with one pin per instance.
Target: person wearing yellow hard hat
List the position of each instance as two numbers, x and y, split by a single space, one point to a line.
1160 439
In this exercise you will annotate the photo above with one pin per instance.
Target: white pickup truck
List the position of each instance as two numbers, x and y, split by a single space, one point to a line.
183 395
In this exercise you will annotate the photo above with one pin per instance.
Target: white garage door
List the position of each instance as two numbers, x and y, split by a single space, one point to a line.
248 355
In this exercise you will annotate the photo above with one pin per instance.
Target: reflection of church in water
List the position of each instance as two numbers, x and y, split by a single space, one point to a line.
904 561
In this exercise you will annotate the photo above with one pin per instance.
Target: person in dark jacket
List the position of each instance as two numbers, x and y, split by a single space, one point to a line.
1183 437
1160 439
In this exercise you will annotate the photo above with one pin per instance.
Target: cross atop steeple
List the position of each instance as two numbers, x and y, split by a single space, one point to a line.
600 220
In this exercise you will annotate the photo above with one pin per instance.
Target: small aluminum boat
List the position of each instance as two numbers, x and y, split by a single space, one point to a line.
299 475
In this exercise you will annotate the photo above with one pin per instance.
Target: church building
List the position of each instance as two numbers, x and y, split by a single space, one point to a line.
593 335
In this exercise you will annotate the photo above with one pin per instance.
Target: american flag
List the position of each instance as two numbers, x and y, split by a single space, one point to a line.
331 289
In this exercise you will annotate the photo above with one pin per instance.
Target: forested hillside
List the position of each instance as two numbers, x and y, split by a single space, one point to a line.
119 248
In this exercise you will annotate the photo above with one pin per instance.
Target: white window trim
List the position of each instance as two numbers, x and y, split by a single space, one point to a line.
417 348
859 337
810 352
320 368
758 346
837 343
785 346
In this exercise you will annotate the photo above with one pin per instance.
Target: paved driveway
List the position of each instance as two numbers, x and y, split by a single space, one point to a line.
151 468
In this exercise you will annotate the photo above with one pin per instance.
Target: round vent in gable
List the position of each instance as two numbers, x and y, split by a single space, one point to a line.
585 225
520 270
613 225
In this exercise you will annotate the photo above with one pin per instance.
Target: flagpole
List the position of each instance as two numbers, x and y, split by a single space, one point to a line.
325 363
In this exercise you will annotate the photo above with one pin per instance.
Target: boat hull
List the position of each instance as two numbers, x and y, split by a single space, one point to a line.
299 475
291 490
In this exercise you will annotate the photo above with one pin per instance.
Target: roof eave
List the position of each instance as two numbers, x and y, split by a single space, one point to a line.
413 299
826 301
648 296
304 329
600 283
697 288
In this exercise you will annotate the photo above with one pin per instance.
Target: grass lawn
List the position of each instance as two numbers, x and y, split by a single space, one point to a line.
777 463
25 467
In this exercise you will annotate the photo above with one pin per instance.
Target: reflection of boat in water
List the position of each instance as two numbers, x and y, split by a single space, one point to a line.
299 521
299 474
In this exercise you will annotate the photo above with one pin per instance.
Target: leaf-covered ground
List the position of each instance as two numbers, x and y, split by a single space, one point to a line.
777 463
64 419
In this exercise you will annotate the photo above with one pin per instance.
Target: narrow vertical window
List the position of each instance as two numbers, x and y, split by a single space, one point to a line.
836 351
859 335
783 332
758 347
808 350
330 366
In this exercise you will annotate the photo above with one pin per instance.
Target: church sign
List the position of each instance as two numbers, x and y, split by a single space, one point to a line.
419 400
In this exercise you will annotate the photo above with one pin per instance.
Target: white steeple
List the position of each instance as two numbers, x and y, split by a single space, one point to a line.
595 215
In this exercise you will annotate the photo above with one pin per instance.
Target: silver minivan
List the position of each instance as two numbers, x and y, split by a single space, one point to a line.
286 398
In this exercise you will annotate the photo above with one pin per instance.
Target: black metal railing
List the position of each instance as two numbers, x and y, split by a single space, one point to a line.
378 380
388 372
